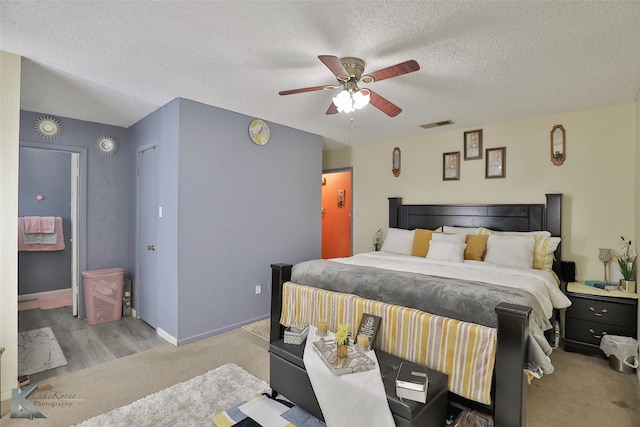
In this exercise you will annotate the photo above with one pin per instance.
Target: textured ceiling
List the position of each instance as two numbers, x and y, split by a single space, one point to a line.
481 62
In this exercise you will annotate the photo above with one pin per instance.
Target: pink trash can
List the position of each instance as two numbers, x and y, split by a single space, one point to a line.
103 294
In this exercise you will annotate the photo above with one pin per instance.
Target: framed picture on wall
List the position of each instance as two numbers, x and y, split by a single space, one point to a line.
473 144
451 166
496 162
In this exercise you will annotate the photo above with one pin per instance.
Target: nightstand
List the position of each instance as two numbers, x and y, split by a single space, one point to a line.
595 312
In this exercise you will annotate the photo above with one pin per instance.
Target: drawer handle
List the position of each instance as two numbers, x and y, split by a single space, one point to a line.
603 312
597 336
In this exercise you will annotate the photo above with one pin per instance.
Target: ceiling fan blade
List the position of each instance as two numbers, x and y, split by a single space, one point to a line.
304 89
384 105
333 63
392 71
332 109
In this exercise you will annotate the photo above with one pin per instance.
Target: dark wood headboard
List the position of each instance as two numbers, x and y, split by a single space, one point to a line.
499 217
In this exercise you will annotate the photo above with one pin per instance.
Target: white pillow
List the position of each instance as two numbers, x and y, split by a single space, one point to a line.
483 230
446 251
454 238
462 230
524 233
510 251
398 241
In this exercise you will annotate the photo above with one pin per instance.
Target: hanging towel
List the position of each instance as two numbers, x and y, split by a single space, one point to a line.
39 224
32 224
38 238
47 224
56 245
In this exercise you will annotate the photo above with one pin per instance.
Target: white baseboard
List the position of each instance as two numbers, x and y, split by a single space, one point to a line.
167 336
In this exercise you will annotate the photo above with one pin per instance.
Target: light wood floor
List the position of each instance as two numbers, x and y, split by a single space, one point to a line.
87 345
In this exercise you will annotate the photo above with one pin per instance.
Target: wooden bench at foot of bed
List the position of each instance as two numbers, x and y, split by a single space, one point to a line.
289 378
509 388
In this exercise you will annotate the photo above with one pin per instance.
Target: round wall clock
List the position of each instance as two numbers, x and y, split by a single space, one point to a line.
48 127
106 144
259 131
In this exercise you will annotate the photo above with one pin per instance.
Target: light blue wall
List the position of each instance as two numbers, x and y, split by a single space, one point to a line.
46 173
161 129
104 226
230 209
241 208
107 184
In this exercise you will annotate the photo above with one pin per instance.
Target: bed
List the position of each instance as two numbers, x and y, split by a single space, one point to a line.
500 327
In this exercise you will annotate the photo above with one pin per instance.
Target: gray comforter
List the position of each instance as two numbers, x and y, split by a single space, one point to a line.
469 301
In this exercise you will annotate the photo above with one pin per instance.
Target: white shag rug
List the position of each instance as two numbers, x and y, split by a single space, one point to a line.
190 403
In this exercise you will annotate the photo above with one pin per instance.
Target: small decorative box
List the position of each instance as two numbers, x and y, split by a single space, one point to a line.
293 335
412 382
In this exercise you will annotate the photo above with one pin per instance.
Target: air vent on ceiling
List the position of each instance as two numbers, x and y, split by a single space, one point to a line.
436 124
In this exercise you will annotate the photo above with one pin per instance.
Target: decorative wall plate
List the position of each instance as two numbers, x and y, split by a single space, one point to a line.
48 127
106 144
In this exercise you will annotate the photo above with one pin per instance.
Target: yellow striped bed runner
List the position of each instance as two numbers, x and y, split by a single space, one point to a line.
464 351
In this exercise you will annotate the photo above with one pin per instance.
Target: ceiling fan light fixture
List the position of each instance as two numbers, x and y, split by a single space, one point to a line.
361 98
343 102
347 102
350 71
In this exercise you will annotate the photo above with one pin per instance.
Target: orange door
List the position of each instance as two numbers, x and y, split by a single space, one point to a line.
336 214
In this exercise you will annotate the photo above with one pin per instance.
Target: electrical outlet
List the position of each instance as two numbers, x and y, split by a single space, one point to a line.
258 288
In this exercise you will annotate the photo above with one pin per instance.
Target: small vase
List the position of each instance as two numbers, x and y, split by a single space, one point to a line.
628 285
342 350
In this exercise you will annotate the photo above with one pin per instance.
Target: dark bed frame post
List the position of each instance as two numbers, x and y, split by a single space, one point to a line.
553 219
280 273
511 384
394 211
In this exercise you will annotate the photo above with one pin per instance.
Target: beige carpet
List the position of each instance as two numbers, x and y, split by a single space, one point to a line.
583 391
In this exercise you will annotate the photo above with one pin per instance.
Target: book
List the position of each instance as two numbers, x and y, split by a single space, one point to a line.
412 382
369 325
602 285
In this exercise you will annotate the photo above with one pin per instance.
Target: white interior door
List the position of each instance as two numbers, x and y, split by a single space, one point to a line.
147 212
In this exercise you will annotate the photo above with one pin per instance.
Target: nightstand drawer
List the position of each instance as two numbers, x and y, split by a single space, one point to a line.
611 313
592 332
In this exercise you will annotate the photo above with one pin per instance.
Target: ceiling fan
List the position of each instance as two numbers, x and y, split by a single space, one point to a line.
349 72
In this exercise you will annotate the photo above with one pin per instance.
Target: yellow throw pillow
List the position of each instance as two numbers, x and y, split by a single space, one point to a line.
476 246
421 241
543 252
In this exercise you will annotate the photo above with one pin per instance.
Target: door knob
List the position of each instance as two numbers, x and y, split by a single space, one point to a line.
151 247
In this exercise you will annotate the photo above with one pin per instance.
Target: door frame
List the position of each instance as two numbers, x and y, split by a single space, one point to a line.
350 170
79 228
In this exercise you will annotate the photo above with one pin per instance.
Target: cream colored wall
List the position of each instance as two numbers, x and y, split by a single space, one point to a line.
637 199
9 141
597 179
